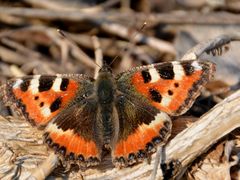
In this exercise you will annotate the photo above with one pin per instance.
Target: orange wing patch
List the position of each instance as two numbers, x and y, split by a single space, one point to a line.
143 140
37 106
173 92
72 142
136 141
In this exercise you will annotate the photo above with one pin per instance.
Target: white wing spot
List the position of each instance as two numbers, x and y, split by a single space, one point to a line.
57 84
159 117
53 128
35 84
196 66
154 75
46 112
17 83
178 70
166 100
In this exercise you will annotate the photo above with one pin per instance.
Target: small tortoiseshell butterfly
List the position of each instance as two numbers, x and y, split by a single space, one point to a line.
127 113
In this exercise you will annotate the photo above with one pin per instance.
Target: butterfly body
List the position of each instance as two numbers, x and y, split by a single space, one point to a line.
127 113
105 95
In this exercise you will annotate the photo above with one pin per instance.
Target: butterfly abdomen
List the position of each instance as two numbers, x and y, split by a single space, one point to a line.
105 91
107 124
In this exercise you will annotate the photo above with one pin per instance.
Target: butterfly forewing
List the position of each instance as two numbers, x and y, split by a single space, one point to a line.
170 87
41 97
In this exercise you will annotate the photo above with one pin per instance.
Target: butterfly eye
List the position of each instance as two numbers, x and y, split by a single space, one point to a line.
87 94
121 99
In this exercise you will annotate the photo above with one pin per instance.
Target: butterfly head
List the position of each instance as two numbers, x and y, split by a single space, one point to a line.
105 68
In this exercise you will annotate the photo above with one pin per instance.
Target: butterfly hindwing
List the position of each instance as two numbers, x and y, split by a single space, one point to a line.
141 128
41 97
73 134
171 87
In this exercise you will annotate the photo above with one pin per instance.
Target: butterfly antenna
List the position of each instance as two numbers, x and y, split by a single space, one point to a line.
114 59
126 48
69 39
143 26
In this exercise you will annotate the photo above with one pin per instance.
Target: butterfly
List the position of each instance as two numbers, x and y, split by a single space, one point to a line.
127 114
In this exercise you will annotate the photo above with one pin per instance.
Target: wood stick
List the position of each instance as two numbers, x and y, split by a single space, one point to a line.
214 18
